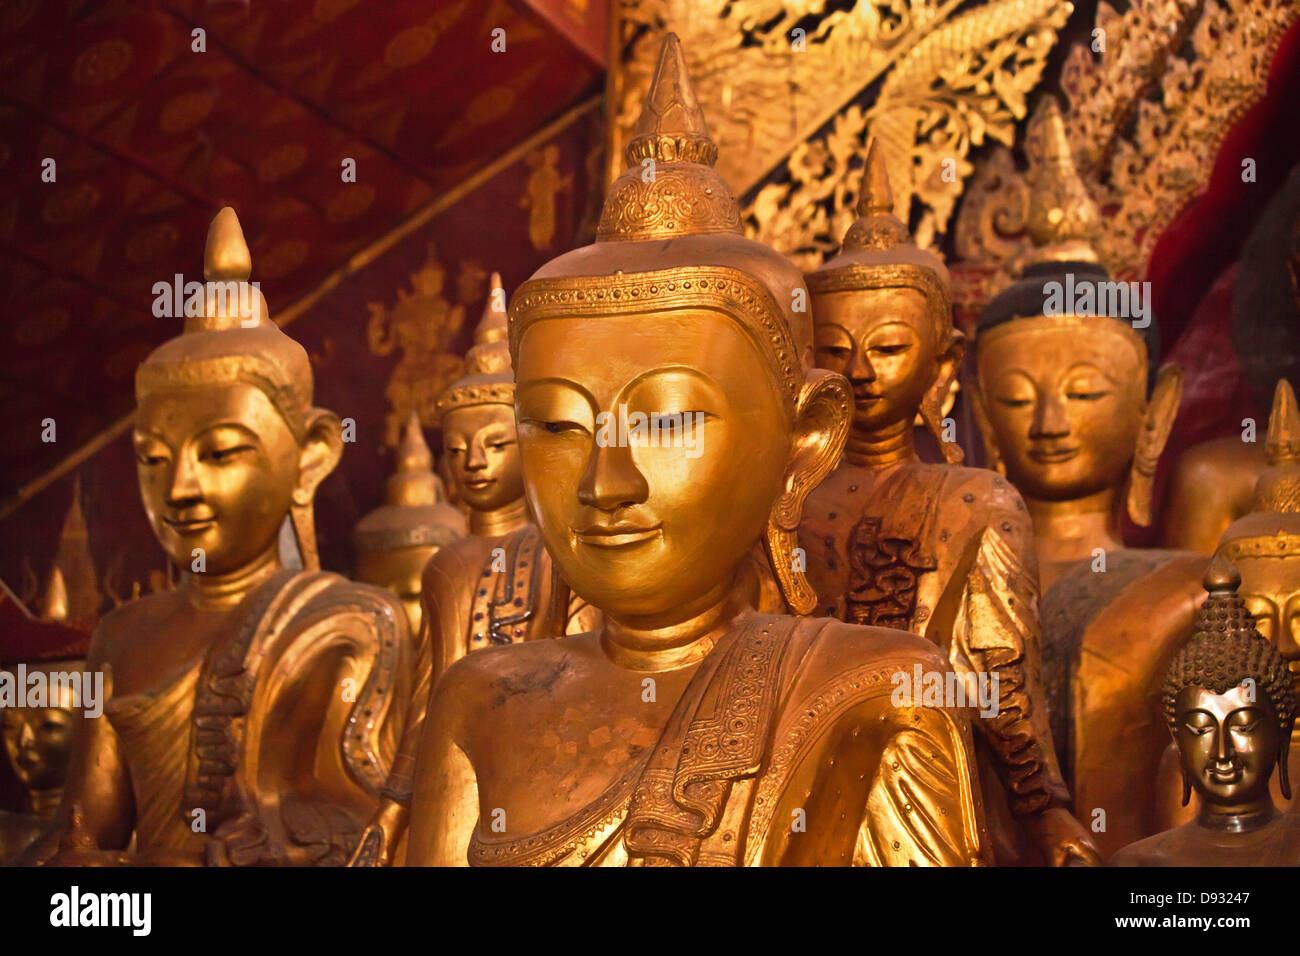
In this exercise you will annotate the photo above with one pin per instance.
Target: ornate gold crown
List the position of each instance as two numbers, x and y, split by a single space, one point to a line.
1272 528
489 377
225 344
878 250
670 236
1062 221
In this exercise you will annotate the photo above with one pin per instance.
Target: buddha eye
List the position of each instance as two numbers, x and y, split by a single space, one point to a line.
220 455
1085 396
554 427
1011 402
891 349
1200 730
838 351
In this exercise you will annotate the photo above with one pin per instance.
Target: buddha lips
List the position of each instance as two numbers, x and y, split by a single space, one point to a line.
655 430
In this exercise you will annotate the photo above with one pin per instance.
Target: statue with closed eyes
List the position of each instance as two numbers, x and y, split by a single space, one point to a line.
892 541
1230 703
1069 418
669 422
251 713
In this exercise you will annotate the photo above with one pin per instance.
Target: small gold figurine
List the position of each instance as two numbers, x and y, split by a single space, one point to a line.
1230 702
496 585
892 541
669 420
252 713
1063 393
396 540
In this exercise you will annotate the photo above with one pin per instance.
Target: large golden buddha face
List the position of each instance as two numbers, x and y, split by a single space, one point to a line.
481 448
1065 398
884 341
646 531
1228 743
1270 586
218 468
37 741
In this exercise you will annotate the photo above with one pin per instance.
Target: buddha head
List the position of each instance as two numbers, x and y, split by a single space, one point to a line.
1265 543
395 541
1230 701
669 415
1067 388
882 315
38 740
479 440
226 438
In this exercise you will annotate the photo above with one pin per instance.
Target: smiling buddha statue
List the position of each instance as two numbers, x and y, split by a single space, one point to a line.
496 585
669 421
252 713
1064 394
1230 703
890 540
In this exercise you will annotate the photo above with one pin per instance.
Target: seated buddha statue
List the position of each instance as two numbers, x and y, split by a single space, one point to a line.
396 540
1264 547
1230 702
494 586
892 541
1063 390
252 713
669 421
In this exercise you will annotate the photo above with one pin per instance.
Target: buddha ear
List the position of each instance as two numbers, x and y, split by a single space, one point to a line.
1156 426
932 406
985 425
822 416
1283 761
319 454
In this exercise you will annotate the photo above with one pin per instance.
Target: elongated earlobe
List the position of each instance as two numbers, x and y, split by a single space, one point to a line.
1156 426
822 417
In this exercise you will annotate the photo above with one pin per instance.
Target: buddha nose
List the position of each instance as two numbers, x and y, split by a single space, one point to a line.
1049 419
185 481
475 456
860 368
612 479
26 737
1223 745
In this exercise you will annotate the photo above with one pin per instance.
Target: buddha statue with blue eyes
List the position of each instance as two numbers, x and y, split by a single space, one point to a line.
1230 704
892 541
1076 417
252 713
494 586
670 423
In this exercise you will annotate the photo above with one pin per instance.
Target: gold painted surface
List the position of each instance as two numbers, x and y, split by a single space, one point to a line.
244 658
689 729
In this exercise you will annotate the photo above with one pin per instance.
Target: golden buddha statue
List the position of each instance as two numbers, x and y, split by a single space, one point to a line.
252 713
891 541
494 586
35 743
1264 547
396 540
1063 395
669 421
1230 702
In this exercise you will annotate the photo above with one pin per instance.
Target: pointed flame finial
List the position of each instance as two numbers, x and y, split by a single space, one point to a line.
1063 220
413 482
671 127
493 326
877 195
1283 444
231 300
876 226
